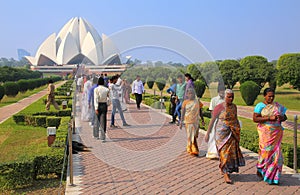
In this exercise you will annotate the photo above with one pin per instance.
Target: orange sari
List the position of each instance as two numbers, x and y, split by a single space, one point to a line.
228 137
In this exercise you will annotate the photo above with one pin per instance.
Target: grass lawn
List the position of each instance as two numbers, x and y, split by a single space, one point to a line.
10 100
19 142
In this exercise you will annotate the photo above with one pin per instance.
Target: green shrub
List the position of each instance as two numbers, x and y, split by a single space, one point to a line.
160 83
148 101
53 121
45 165
31 84
20 174
249 91
30 120
66 112
48 113
19 118
11 89
150 82
17 174
200 87
23 85
40 121
2 92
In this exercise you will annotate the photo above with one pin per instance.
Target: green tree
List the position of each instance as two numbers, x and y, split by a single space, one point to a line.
150 82
160 83
194 70
249 91
288 67
229 71
210 72
256 69
200 87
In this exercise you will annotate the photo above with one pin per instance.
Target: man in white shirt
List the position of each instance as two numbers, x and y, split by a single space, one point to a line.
101 94
212 149
79 84
115 89
138 90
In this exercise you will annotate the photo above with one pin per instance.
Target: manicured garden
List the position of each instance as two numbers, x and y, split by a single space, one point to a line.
27 162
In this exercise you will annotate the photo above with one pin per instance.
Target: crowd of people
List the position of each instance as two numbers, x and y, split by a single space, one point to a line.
223 133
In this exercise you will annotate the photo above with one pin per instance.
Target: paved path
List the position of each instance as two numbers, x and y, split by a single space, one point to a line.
149 158
9 110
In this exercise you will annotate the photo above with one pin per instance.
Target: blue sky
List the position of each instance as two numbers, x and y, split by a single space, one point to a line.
227 29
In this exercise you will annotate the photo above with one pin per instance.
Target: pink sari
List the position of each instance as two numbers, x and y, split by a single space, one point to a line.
270 133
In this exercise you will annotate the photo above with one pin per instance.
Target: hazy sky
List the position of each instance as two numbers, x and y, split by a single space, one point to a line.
227 29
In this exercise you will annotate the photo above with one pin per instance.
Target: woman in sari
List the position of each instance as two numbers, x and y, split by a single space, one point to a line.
227 130
269 115
190 111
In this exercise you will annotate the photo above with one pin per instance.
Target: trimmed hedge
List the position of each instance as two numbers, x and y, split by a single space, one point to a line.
20 174
249 91
160 83
200 87
11 89
2 92
53 121
23 85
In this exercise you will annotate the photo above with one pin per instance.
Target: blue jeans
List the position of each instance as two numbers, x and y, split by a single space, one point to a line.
116 105
178 109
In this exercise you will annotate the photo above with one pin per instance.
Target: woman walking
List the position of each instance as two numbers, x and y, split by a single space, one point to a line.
269 115
227 129
190 113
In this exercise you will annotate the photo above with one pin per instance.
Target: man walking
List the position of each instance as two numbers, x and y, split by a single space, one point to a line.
137 90
101 94
116 102
51 96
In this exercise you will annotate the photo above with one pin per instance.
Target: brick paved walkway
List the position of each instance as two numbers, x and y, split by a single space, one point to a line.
9 110
149 158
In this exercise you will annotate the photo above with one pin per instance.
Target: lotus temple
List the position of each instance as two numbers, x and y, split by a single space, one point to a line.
77 44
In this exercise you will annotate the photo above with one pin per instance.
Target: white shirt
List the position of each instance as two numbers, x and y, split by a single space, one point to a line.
214 102
100 95
137 87
115 90
79 81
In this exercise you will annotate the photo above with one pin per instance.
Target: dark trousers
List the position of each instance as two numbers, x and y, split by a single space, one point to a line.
138 99
101 121
173 108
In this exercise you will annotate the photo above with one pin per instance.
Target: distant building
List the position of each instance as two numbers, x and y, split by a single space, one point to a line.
22 53
77 42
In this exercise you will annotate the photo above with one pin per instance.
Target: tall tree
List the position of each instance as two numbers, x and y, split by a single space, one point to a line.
229 71
257 69
288 67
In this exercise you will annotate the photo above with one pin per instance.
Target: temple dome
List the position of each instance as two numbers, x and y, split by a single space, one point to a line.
77 42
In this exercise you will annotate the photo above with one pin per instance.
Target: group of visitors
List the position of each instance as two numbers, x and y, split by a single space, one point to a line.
100 92
223 133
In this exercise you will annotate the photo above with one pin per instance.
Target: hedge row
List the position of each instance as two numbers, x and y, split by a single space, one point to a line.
23 173
42 119
12 89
